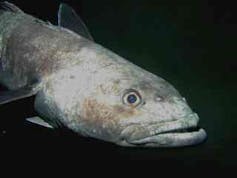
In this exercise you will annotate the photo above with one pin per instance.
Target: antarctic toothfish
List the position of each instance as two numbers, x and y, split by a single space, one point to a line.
86 88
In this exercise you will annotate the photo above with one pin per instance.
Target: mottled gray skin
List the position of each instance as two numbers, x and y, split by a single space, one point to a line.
80 85
31 49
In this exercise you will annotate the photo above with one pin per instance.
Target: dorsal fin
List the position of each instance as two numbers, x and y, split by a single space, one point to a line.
69 19
10 7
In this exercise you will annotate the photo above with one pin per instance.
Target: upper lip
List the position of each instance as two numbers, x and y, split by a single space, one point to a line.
187 123
180 130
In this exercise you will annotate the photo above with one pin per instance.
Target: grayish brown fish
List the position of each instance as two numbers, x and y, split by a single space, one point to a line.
86 88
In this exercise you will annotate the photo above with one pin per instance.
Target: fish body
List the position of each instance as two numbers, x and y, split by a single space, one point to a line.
87 88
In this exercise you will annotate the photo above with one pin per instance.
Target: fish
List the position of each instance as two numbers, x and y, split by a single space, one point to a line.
84 87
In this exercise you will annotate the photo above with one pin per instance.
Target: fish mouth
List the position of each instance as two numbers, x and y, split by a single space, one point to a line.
176 138
183 132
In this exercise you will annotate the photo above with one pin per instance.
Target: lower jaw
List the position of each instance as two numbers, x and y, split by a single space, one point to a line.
172 139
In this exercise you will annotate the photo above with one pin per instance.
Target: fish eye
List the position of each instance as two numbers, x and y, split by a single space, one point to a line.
132 98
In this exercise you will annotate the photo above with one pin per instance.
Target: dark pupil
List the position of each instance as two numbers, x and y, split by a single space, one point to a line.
132 98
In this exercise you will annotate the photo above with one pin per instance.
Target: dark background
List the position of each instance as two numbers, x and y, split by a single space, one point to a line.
192 44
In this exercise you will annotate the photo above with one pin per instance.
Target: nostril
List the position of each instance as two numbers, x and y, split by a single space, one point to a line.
159 98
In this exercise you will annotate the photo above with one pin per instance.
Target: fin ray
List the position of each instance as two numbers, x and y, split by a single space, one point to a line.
37 120
69 19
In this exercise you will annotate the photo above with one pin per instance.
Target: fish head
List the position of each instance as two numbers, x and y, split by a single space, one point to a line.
130 106
161 117
149 113
111 99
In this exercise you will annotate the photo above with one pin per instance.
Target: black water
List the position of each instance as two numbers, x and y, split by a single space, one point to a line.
192 44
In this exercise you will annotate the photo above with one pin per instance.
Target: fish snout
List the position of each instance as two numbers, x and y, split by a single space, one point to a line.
180 107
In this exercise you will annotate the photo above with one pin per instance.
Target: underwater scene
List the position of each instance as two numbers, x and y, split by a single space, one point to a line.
190 44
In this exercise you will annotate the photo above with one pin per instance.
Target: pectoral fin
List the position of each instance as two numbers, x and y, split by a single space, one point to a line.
13 95
69 19
37 120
